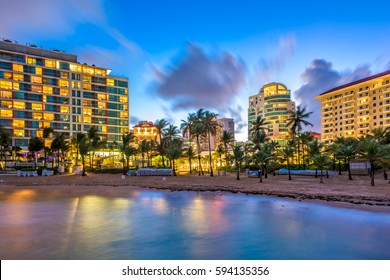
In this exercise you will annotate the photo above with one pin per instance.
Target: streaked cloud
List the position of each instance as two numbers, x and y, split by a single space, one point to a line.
201 80
267 69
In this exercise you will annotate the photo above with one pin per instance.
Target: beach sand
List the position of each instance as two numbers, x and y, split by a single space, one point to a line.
336 190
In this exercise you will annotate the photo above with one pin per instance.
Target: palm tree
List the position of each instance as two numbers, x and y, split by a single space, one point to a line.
161 125
238 157
174 151
5 142
35 144
47 131
190 153
305 139
84 148
261 158
257 126
322 161
128 152
76 141
143 148
315 148
93 139
297 119
285 154
373 152
380 134
209 125
227 139
219 150
60 145
348 152
127 140
16 153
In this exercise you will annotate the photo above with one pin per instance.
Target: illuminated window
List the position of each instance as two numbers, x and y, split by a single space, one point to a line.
6 113
5 84
102 96
87 119
17 67
46 124
100 72
36 88
123 99
18 124
37 116
36 107
87 103
15 86
38 71
44 98
76 85
110 82
50 63
48 117
36 79
104 128
87 78
6 104
87 86
5 94
124 114
88 70
19 132
87 111
125 107
47 89
40 133
19 105
18 77
63 83
7 75
64 75
64 92
102 105
31 60
64 109
75 67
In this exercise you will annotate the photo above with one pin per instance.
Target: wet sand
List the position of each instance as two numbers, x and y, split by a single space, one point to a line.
336 190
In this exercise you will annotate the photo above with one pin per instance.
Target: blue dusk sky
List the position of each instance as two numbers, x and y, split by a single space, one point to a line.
180 56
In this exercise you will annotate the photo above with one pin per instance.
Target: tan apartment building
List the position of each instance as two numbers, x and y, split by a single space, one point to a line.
273 102
353 109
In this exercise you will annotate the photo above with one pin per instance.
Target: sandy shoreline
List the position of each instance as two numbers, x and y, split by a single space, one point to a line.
336 190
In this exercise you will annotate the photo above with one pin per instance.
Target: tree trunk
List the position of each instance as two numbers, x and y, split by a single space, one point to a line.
372 174
261 175
83 163
340 167
349 172
173 167
189 159
289 173
238 173
321 181
211 164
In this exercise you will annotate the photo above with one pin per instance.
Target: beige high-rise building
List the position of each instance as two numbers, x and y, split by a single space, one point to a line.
353 109
273 102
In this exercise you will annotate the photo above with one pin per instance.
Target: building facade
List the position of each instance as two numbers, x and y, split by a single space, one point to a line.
273 103
47 88
145 130
353 109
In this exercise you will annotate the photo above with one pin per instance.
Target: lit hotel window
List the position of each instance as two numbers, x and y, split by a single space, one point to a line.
18 77
64 109
50 63
36 79
63 83
6 113
6 104
5 84
19 133
18 124
110 82
87 111
47 90
48 117
37 116
5 94
87 119
38 71
17 67
31 60
36 107
64 92
19 105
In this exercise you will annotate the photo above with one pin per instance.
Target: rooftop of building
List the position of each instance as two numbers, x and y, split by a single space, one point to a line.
357 82
144 124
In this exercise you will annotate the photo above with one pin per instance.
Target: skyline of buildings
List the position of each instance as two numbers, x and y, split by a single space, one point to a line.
47 88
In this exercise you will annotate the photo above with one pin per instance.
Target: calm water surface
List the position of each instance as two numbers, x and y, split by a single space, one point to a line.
184 225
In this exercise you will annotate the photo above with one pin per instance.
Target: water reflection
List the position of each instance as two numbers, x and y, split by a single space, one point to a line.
184 225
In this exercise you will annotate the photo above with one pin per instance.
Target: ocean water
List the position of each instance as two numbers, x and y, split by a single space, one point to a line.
147 224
